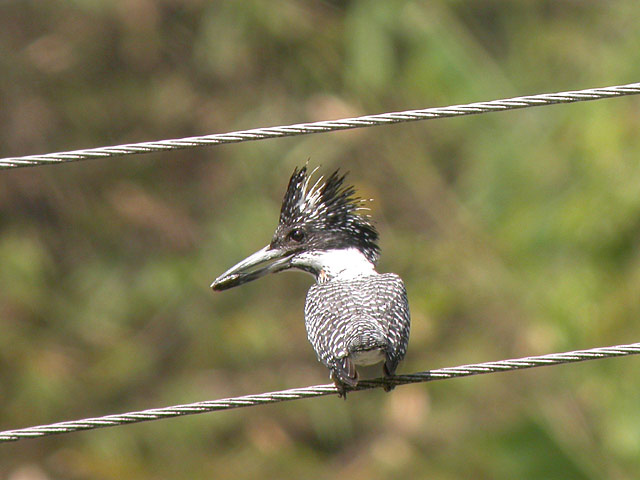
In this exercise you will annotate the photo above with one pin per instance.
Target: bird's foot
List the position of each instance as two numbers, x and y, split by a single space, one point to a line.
389 373
343 387
388 384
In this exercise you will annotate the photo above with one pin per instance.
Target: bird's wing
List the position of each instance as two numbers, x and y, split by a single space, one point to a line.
325 315
397 319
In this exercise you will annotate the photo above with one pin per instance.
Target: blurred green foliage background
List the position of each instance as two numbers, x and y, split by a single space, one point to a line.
516 233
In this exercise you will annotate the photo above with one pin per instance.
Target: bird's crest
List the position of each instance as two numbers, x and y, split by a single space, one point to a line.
329 211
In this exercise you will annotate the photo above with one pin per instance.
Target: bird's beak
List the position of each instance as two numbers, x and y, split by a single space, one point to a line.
264 261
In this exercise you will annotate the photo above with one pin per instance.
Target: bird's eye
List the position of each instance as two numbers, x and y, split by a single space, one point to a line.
297 235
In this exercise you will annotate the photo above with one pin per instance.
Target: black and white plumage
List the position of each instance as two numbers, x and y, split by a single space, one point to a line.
360 321
353 315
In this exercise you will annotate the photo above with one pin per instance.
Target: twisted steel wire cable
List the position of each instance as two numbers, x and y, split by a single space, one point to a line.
317 391
323 126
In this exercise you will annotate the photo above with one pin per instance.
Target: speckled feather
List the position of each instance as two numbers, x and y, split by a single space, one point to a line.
345 318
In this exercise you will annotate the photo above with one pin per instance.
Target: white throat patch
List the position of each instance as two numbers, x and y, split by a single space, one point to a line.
342 264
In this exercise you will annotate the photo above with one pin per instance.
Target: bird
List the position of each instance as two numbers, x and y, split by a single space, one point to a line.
354 316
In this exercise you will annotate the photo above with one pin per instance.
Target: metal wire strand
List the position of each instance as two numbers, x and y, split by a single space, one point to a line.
317 391
323 126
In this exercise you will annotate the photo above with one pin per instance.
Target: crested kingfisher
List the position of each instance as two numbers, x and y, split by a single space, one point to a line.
353 314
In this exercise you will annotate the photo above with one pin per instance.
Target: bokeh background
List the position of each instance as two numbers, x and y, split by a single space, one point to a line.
516 233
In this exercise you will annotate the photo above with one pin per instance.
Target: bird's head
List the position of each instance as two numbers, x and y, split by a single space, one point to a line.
321 229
